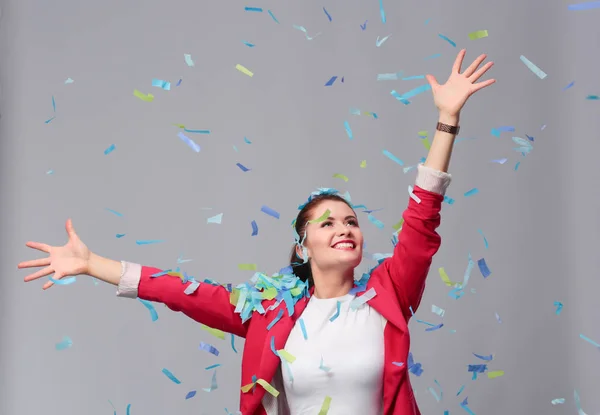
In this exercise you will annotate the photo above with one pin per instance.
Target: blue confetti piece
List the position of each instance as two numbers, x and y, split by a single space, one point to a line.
477 368
411 78
593 97
250 45
327 14
465 405
392 157
109 149
212 366
331 81
253 9
233 343
63 281
247 141
303 328
190 394
462 388
64 344
273 16
439 326
448 200
483 268
120 235
559 307
533 68
414 368
242 167
269 211
115 212
399 364
209 348
337 312
276 319
376 221
364 26
49 120
171 376
189 142
435 55
382 11
348 130
590 341
447 39
486 358
128 409
179 82
161 84
485 241
254 228
150 307
471 192
569 86
416 91
585 6
53 104
149 242
187 130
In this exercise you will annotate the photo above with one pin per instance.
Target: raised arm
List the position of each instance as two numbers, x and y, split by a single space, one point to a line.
418 240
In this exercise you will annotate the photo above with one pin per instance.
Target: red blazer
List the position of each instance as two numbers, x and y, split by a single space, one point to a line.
399 282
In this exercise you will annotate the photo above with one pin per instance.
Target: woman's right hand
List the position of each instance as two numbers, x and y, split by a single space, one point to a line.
71 259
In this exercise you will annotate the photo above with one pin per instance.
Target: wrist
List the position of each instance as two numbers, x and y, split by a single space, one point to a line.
450 119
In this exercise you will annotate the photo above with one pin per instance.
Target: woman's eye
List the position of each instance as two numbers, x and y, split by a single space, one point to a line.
353 222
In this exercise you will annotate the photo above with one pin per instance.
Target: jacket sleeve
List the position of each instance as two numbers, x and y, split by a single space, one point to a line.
418 240
209 304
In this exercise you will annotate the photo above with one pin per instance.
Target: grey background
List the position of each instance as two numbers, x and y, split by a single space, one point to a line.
541 221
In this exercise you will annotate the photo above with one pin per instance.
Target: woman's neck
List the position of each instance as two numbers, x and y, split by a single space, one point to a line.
332 284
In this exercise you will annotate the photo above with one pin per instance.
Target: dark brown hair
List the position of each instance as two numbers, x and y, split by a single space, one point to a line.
302 269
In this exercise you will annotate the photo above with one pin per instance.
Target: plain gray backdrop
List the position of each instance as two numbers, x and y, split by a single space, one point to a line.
541 221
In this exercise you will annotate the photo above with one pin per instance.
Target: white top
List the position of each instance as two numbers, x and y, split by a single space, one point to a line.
342 359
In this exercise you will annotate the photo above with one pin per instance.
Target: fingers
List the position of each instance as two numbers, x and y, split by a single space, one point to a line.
39 246
469 71
458 61
48 285
479 73
42 262
70 229
483 84
432 81
39 274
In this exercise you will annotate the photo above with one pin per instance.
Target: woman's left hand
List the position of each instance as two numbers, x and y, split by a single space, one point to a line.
450 97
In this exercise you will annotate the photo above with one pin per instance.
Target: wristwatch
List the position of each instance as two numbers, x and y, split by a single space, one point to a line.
451 129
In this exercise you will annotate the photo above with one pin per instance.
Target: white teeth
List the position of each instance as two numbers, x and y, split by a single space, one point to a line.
344 245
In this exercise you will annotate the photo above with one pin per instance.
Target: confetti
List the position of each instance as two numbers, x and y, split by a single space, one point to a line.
392 157
242 167
273 16
359 301
483 268
244 70
215 219
340 176
151 309
189 142
212 366
558 401
578 403
382 11
303 328
569 86
254 228
585 6
63 281
109 150
337 312
479 34
215 332
558 306
331 81
171 376
325 406
590 341
447 39
233 343
213 383
209 348
379 42
69 81
486 358
190 394
363 164
285 355
276 319
364 26
323 367
188 60
437 310
269 211
303 29
348 130
143 97
247 267
389 76
327 14
161 84
253 9
533 68
495 374
414 368
485 241
250 45
64 344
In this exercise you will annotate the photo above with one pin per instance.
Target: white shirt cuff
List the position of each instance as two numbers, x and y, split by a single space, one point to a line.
432 180
130 280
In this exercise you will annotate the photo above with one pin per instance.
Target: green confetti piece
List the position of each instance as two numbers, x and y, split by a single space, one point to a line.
247 267
478 34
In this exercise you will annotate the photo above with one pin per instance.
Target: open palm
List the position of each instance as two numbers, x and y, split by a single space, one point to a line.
69 259
450 97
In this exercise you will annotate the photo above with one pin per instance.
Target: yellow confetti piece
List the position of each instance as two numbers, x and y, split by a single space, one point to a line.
321 218
446 279
325 407
398 226
179 125
269 293
247 267
234 296
363 164
341 176
287 356
478 34
217 333
244 70
142 96
423 134
495 374
268 387
296 291
426 143
246 388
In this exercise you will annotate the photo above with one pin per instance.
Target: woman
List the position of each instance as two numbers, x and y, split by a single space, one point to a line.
319 336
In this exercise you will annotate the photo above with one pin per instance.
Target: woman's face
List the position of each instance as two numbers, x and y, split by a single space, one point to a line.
336 242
